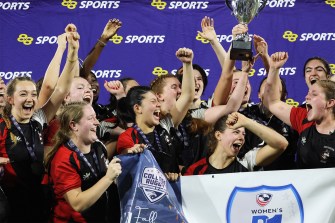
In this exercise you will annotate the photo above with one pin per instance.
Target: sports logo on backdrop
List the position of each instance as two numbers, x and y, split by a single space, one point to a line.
14 5
116 39
132 39
25 39
331 3
265 204
283 71
292 37
203 40
280 3
291 101
332 68
251 72
153 184
161 5
72 4
12 74
158 71
221 38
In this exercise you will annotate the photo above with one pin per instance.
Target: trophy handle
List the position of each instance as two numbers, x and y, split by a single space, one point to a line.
229 5
261 7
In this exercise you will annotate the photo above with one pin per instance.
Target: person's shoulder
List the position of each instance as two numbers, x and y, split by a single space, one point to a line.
63 153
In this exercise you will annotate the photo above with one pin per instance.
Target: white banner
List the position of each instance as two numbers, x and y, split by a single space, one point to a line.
292 196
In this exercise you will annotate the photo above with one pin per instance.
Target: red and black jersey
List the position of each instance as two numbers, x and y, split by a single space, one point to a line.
315 150
22 177
204 167
67 172
167 159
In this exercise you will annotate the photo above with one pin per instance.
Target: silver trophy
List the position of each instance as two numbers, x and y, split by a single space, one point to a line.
244 11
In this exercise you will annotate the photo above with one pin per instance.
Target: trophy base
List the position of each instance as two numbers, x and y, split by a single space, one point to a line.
241 50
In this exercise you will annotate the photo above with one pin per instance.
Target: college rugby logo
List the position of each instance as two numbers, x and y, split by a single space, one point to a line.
153 184
281 204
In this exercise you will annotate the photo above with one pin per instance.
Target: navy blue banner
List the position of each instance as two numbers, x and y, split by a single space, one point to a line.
145 193
153 30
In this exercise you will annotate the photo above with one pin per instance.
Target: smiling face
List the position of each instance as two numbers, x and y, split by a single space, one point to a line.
231 140
23 101
92 80
80 91
316 103
199 84
314 70
86 128
149 110
170 93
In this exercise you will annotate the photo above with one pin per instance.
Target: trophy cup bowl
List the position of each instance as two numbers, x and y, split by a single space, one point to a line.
244 11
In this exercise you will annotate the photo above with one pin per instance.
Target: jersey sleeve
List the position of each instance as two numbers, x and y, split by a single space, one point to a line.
40 117
64 176
297 116
125 141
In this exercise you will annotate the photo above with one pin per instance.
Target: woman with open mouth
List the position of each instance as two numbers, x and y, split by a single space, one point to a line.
21 129
315 123
226 140
79 170
152 129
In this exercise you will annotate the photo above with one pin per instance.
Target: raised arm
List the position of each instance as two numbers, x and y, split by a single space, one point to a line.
65 80
109 31
261 47
187 88
81 200
212 114
275 143
272 89
115 88
208 33
222 89
52 72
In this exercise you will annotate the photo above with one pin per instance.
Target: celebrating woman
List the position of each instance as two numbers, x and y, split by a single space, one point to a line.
79 169
226 140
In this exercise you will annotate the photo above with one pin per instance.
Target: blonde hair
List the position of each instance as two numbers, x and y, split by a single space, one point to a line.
72 112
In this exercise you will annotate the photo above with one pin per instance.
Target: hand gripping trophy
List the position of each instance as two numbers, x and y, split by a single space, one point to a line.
244 11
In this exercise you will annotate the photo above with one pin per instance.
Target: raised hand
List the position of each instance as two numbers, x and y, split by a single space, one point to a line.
278 59
112 26
239 29
236 120
208 31
73 40
185 55
70 28
114 87
261 45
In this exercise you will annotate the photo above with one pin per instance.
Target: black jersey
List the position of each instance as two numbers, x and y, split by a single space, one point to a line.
315 150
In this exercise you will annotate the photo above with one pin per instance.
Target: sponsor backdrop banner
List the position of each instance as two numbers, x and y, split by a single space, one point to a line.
292 196
152 32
